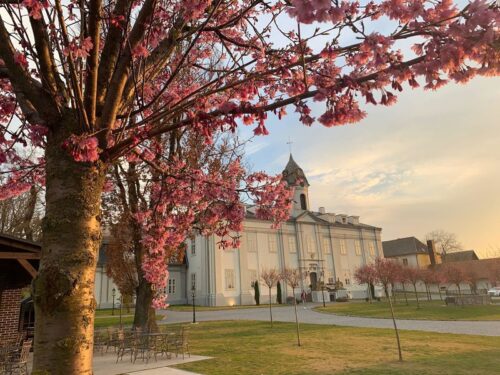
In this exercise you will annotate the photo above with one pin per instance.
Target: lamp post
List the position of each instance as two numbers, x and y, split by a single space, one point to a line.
121 302
323 286
113 293
193 294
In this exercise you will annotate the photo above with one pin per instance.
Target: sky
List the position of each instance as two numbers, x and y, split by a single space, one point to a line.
431 161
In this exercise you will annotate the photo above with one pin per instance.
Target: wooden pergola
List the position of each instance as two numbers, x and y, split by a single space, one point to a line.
19 261
25 253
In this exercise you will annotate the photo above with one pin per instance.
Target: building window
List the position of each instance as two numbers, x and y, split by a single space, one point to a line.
303 202
229 279
371 249
251 243
330 280
171 286
273 244
326 245
193 247
344 220
253 277
193 281
292 245
310 244
357 247
343 250
347 281
405 262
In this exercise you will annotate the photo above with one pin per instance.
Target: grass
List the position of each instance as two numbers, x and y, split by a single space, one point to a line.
108 312
217 308
247 347
109 321
434 310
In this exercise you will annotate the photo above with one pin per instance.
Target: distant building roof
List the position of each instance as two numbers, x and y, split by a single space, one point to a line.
460 256
403 246
293 173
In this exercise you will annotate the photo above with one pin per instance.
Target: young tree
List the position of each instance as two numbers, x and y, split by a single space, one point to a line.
366 275
293 277
414 275
456 276
96 82
256 292
270 277
402 278
386 271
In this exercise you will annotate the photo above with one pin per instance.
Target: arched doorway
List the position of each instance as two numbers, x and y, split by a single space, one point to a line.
313 277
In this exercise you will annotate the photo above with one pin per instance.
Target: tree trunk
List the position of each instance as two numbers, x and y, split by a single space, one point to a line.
63 290
296 317
270 308
145 314
416 295
404 291
396 330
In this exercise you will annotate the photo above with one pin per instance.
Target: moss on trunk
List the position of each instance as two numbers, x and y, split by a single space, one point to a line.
64 287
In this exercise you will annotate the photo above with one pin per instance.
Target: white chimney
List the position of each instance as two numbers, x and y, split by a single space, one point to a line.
322 210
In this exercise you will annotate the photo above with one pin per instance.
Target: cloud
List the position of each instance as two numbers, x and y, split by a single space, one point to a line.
431 161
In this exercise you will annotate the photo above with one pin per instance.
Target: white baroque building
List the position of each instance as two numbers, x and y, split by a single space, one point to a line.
326 246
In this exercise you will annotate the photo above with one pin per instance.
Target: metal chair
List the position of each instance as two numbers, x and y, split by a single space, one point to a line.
17 361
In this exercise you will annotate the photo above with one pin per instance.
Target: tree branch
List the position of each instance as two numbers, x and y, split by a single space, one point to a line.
28 91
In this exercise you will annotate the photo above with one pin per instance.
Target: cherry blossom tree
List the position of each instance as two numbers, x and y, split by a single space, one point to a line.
294 277
366 274
270 277
131 196
88 83
402 279
386 271
414 275
456 276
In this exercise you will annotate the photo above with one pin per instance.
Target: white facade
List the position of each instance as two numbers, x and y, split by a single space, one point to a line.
327 246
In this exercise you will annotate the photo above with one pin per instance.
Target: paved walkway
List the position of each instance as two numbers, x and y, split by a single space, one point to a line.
286 314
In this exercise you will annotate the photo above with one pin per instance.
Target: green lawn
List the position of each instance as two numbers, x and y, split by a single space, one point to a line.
108 312
217 308
435 310
246 347
108 321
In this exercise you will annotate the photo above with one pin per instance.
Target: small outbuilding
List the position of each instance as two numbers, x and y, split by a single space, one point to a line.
19 260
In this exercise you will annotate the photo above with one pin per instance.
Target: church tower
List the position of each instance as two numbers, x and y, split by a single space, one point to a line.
295 176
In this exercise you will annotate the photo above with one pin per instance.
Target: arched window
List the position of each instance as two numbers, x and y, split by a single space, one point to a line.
303 203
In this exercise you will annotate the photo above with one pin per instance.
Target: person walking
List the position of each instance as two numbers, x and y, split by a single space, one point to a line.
303 298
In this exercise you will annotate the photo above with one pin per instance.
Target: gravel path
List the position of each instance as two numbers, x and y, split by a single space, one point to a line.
307 315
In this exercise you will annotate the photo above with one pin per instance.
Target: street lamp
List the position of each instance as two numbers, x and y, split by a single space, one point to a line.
323 286
193 294
121 302
113 293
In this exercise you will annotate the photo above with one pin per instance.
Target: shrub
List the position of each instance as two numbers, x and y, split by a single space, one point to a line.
278 291
257 293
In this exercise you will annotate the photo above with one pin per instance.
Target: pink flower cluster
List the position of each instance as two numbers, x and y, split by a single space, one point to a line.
82 147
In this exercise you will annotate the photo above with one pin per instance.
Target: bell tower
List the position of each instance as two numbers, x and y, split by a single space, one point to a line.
295 177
